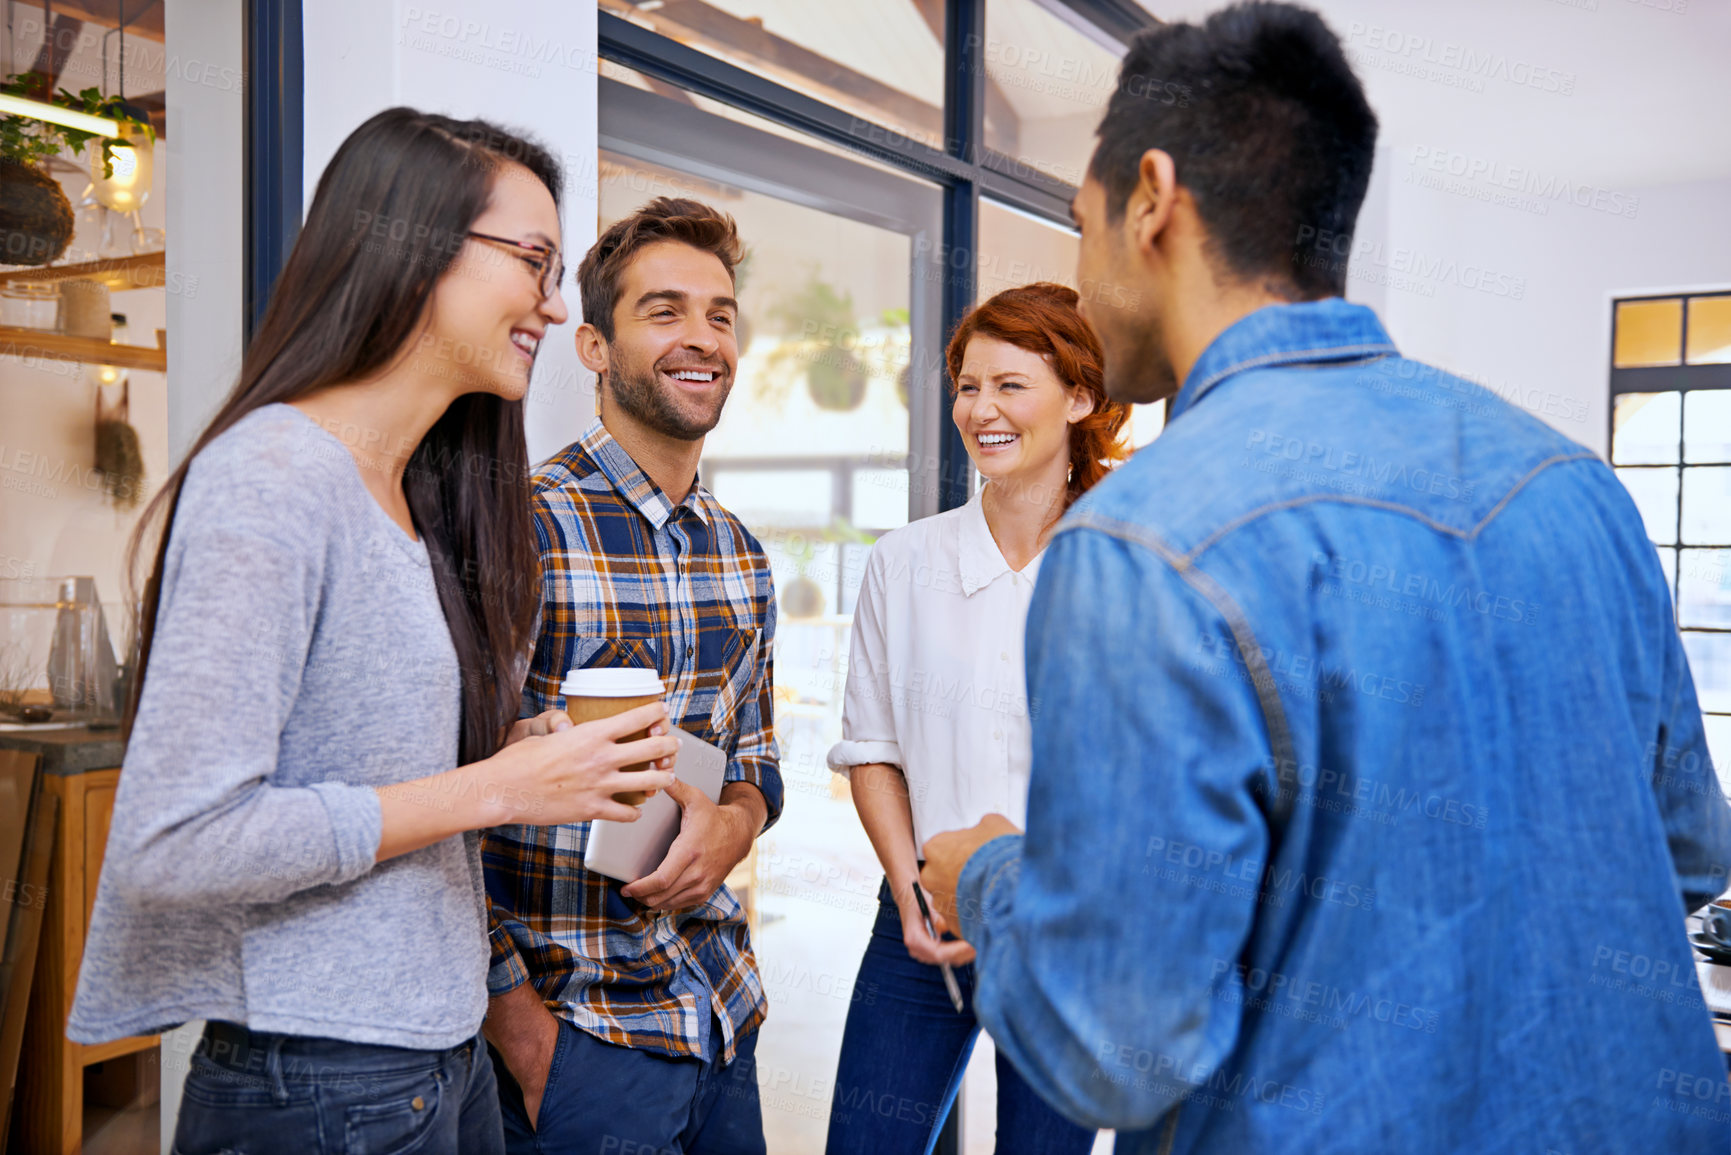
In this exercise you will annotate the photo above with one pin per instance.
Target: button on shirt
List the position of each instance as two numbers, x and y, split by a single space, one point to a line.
935 681
631 579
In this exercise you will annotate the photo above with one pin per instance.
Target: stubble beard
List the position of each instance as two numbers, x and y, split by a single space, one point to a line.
639 394
1138 371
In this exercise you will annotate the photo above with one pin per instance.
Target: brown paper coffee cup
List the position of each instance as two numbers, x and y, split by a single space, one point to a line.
593 694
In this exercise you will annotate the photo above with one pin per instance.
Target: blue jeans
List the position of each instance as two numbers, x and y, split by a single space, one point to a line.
605 1099
903 1054
270 1094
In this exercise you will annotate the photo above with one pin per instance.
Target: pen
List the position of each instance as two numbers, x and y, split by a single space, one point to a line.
949 975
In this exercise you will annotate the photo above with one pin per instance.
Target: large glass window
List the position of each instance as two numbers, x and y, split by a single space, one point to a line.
882 61
1047 82
860 257
1671 447
811 453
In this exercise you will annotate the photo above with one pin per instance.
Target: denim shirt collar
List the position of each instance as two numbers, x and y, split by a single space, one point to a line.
1329 330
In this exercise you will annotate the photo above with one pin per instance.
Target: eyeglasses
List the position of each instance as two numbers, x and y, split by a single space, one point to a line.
546 262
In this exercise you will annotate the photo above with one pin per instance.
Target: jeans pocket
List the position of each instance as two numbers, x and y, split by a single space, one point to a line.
220 1117
397 1118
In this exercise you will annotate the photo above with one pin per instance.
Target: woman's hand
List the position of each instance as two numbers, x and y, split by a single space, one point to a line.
556 772
539 726
922 947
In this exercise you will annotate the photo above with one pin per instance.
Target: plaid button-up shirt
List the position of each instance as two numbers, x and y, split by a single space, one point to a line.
630 579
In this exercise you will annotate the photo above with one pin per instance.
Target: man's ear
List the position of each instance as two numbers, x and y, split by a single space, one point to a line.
1149 208
591 348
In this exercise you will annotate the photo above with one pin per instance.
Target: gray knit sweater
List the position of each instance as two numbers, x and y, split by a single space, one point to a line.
300 659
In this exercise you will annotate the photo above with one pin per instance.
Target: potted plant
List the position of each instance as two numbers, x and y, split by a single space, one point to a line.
36 221
834 375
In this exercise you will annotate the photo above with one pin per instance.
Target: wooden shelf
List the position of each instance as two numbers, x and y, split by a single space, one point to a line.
43 345
145 271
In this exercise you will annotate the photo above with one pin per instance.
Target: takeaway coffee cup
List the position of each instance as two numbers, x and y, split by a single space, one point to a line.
601 693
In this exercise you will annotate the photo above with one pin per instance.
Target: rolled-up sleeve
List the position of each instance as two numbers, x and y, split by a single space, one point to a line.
868 723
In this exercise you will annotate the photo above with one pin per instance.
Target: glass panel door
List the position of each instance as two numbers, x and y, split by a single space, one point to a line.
829 419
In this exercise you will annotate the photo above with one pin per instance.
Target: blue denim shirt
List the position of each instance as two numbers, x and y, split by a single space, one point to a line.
1369 786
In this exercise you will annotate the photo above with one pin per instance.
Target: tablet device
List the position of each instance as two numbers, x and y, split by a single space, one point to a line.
628 851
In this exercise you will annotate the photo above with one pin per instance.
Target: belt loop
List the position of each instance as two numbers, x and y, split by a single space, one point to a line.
274 1069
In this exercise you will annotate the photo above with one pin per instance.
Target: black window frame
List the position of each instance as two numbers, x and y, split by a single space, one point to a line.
1684 379
965 169
274 143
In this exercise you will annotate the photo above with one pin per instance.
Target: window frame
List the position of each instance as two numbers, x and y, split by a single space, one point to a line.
965 169
1683 379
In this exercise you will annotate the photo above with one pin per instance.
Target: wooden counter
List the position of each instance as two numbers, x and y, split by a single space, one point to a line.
81 768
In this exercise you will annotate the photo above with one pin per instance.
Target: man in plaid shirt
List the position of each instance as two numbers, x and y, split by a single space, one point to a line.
625 1016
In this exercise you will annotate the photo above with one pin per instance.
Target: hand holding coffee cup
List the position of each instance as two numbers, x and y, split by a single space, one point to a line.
574 772
606 692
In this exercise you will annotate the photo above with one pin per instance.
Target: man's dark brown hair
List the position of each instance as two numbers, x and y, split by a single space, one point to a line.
662 219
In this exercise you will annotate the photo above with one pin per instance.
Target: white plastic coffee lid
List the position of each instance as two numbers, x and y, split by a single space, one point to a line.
611 682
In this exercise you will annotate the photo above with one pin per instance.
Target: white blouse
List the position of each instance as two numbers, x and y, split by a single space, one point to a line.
935 679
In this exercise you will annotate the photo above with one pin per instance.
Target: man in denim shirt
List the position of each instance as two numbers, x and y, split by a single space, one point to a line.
1369 788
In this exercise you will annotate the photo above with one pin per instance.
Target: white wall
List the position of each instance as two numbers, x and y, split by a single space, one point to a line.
526 64
206 211
206 239
1518 298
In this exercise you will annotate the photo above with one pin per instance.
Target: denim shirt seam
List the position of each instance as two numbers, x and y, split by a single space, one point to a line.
1242 520
1262 680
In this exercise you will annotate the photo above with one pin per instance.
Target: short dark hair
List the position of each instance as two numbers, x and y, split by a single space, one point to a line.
662 219
1267 128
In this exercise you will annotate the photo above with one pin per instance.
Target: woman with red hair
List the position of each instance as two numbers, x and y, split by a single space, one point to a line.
935 724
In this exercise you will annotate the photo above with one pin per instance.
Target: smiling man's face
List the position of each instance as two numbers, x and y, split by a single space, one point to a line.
671 361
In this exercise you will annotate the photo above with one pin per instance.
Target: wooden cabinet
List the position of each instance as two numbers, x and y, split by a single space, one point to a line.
49 1112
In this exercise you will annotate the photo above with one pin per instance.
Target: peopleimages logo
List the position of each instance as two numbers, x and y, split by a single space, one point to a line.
1494 176
1328 248
1463 61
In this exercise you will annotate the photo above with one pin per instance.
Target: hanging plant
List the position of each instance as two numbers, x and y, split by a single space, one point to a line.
821 317
36 220
836 380
119 455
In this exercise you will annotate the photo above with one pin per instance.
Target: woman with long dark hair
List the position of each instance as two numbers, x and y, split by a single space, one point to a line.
329 662
935 724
